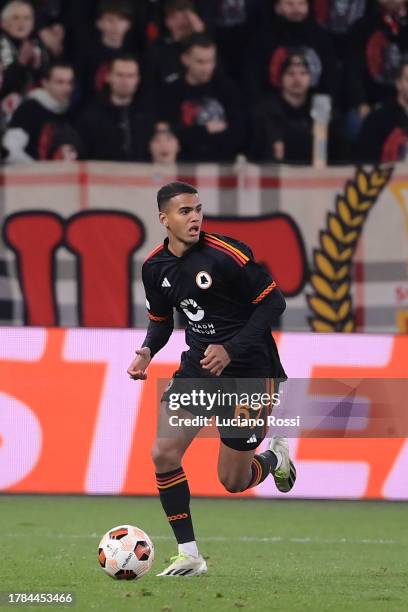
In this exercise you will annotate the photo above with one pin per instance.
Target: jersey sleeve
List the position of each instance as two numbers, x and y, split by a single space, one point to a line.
160 313
157 306
253 283
250 278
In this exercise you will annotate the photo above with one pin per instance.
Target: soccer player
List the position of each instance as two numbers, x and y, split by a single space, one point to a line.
229 302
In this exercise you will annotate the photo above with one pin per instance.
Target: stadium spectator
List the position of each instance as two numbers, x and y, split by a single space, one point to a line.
282 129
377 44
80 17
40 127
338 18
384 135
50 21
164 146
22 55
231 23
52 37
288 25
163 64
8 103
113 23
116 126
203 106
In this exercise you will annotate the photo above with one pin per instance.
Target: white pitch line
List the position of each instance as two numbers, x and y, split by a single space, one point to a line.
268 540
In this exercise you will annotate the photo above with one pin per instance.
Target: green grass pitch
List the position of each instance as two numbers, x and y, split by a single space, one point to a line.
263 555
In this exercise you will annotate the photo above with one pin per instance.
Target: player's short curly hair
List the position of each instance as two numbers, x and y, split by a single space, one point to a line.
171 190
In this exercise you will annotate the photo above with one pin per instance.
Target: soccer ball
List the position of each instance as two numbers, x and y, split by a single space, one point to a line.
126 552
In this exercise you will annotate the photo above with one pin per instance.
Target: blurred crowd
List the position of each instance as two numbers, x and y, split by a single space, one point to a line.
203 80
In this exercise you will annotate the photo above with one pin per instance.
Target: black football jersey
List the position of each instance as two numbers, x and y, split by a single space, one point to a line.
215 285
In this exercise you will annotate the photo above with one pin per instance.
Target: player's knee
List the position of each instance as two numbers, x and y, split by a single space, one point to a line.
232 484
165 457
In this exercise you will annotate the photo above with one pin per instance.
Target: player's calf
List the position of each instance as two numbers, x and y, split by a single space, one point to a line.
234 484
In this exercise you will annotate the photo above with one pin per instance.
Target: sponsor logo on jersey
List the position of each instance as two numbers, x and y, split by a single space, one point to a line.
192 310
207 329
166 282
203 280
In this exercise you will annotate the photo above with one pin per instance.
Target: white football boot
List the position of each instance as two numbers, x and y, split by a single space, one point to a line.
185 565
285 472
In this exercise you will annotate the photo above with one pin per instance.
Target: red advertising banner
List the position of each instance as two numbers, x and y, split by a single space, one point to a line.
72 421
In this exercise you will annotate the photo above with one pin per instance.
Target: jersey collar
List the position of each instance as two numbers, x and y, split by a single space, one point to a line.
195 246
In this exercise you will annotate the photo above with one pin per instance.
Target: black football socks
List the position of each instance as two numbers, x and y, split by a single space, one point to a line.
175 498
261 466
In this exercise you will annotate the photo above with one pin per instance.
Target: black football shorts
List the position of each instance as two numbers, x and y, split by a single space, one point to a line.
239 406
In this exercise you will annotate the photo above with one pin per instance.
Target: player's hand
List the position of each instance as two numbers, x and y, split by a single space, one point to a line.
137 368
215 359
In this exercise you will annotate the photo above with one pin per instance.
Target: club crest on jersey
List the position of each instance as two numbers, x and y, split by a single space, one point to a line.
203 280
192 310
